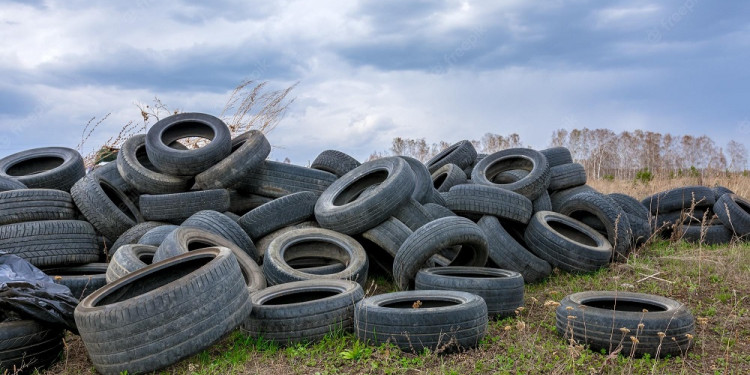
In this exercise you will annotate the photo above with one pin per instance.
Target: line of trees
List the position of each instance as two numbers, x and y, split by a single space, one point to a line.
606 154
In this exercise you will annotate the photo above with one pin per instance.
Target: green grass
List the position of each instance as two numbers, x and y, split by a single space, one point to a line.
713 281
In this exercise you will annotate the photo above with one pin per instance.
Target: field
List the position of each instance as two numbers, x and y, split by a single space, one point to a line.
713 281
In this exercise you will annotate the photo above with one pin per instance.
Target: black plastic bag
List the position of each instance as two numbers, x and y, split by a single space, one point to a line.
28 293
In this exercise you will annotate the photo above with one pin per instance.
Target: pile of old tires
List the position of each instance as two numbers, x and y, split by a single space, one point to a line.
201 241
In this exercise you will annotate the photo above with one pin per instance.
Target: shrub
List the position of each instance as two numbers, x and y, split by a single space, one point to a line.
644 175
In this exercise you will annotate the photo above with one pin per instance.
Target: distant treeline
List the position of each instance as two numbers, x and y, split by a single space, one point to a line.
606 154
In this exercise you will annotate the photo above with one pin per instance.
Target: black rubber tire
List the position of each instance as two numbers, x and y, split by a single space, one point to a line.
107 208
187 162
720 190
17 206
613 219
336 162
458 320
389 235
275 180
135 168
461 154
51 242
262 243
566 176
314 243
8 183
81 280
278 213
447 176
526 159
180 206
489 200
44 168
567 244
163 313
111 174
26 345
248 151
439 234
241 204
128 259
223 225
437 211
502 290
708 235
680 198
557 156
667 222
344 208
511 253
413 214
542 203
134 234
422 181
734 213
184 239
607 319
557 198
303 311
156 236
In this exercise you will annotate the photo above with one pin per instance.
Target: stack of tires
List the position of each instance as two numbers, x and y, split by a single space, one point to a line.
283 251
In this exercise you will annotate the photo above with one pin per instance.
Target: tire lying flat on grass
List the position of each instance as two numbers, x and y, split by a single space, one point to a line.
440 320
303 311
163 313
608 319
734 213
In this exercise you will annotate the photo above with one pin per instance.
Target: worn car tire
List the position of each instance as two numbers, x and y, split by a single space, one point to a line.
489 200
336 162
223 225
567 243
248 151
156 236
17 206
502 290
344 207
566 176
275 179
680 198
605 320
179 206
448 176
557 156
107 208
461 154
612 218
128 259
314 243
438 320
734 213
303 311
163 313
44 168
278 213
51 242
526 159
9 183
183 125
431 238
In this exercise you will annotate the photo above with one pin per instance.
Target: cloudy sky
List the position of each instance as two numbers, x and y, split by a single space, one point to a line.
372 70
